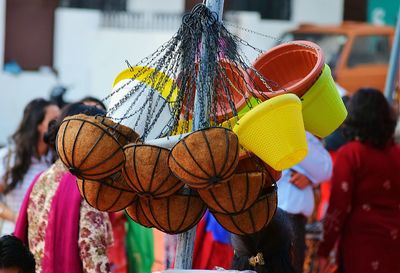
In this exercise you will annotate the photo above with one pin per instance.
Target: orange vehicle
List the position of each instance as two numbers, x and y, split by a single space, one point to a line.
358 53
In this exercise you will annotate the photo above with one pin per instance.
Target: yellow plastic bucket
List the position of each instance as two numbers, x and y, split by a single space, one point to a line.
274 131
230 123
323 108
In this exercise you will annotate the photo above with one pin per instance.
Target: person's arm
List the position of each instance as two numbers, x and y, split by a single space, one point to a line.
299 180
342 187
317 165
7 214
95 236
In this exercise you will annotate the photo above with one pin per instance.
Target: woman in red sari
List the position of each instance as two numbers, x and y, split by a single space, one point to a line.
363 217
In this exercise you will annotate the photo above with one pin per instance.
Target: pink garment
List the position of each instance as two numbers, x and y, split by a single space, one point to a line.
62 233
21 227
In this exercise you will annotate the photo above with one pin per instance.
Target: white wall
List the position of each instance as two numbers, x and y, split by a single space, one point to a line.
269 31
16 92
317 11
74 43
113 47
88 56
173 6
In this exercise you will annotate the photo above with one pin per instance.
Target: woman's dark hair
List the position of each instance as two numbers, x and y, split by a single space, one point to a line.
275 242
13 254
25 141
66 111
371 119
95 101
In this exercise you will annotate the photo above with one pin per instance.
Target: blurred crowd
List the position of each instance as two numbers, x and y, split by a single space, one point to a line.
339 209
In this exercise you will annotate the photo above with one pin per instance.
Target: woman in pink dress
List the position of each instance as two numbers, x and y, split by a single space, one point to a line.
363 217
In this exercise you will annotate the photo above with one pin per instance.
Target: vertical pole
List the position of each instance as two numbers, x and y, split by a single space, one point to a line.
185 245
201 116
394 63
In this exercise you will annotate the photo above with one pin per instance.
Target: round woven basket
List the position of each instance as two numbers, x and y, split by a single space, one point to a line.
253 219
136 213
252 163
235 195
147 172
205 157
122 133
91 147
175 214
109 194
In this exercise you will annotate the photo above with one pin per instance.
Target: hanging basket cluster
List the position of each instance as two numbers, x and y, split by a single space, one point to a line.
235 126
115 172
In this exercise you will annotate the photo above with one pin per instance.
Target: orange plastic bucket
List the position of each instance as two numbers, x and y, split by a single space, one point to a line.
229 84
291 67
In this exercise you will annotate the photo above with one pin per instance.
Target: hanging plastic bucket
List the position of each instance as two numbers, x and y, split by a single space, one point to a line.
233 78
230 123
291 67
148 108
230 86
253 103
274 131
145 110
150 76
323 108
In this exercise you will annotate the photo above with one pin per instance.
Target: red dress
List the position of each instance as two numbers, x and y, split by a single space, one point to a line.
364 209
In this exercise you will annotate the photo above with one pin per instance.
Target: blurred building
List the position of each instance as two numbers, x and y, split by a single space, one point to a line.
83 44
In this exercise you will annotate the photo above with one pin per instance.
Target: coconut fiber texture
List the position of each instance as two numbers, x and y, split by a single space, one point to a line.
109 194
136 213
147 172
91 147
252 219
205 157
175 214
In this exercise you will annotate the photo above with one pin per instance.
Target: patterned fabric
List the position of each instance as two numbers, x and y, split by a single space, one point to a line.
38 209
95 227
94 237
364 209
